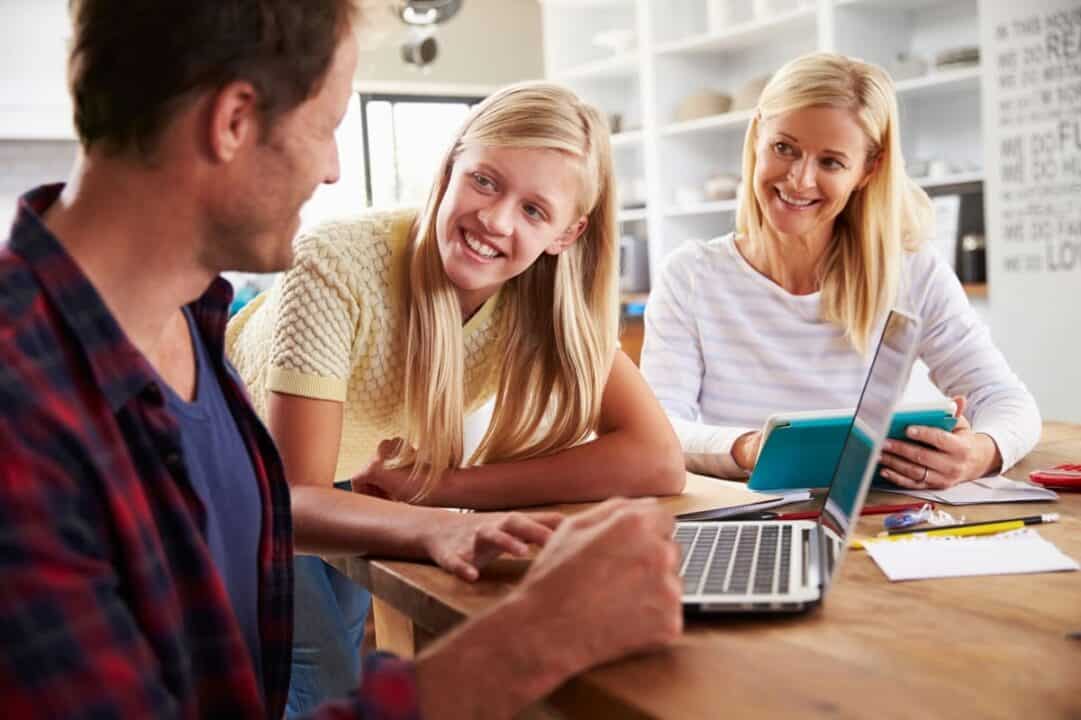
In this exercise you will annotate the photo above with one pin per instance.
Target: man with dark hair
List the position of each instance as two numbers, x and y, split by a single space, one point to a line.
145 536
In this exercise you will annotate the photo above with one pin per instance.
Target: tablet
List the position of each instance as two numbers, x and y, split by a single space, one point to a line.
800 449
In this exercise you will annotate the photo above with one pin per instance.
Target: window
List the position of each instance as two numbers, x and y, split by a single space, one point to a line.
345 197
405 137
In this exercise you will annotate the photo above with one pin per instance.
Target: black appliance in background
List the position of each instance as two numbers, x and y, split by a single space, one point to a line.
971 261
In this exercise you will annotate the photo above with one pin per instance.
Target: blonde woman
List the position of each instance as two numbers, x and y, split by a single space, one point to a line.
781 314
367 355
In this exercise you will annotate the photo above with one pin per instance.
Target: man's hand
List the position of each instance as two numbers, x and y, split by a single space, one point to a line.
466 542
607 583
604 586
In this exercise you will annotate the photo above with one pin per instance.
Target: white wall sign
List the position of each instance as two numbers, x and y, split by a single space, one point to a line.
1031 54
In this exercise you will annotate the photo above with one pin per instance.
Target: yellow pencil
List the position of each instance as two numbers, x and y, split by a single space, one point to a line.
989 527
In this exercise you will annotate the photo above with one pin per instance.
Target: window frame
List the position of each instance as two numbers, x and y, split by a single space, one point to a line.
394 98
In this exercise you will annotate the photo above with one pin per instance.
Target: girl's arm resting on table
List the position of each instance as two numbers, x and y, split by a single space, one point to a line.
635 453
327 521
307 432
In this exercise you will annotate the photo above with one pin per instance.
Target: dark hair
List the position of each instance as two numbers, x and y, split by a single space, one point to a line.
134 62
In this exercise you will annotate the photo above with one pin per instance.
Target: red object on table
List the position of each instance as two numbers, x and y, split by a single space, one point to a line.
1060 477
867 510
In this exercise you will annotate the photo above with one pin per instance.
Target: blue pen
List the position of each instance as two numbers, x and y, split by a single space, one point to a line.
908 518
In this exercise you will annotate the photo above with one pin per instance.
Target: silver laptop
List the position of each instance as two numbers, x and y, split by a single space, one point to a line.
778 566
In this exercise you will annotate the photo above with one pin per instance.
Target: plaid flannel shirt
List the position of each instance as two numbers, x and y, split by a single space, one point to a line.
110 604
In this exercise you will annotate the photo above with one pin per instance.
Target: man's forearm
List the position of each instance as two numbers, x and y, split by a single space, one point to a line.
496 664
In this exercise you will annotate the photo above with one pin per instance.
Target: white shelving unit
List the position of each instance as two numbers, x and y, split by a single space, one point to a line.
738 119
624 139
632 215
740 36
704 208
681 47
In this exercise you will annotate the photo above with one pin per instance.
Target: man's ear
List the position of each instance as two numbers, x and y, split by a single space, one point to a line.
872 168
568 237
234 120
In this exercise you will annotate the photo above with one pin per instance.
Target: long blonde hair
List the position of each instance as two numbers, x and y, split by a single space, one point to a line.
860 272
559 321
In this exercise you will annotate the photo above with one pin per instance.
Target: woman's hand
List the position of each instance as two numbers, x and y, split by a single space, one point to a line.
939 459
466 542
745 449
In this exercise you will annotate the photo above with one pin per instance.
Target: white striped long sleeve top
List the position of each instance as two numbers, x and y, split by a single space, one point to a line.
726 347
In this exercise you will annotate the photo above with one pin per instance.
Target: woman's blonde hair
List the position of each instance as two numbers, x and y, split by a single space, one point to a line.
559 325
860 272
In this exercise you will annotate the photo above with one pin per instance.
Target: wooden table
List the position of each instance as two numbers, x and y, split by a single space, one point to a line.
985 647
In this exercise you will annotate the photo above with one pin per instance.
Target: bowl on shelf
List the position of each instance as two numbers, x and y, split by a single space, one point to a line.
722 186
907 67
703 103
958 57
747 96
916 168
689 195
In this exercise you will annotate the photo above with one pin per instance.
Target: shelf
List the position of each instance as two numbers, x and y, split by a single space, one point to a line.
737 37
941 81
623 65
706 208
889 4
954 179
679 52
579 4
976 291
625 139
713 122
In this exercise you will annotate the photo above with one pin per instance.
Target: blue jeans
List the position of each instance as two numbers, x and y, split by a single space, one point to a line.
329 611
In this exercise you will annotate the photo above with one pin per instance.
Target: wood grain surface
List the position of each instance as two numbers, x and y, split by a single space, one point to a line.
982 647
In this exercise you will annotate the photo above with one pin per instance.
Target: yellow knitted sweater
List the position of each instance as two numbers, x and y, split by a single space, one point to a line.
333 328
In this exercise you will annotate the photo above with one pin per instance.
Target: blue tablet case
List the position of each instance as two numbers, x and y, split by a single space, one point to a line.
803 453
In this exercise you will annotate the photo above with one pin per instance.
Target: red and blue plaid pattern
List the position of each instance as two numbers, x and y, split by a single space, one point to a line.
110 604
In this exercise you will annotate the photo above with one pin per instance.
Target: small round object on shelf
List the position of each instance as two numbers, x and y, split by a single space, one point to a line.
703 103
722 186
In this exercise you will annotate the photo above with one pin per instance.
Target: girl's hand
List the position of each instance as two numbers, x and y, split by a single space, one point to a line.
383 482
466 542
939 459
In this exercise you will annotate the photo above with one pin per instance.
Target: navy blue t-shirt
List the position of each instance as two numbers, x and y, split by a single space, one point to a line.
222 475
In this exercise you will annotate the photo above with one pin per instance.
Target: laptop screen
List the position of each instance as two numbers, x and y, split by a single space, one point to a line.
855 467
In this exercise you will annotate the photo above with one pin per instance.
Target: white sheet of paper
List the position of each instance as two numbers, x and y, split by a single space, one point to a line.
922 557
994 489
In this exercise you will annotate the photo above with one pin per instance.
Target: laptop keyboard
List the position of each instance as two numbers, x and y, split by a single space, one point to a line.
722 559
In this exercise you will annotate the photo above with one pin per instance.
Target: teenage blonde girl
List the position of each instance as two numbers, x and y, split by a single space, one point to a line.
391 327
